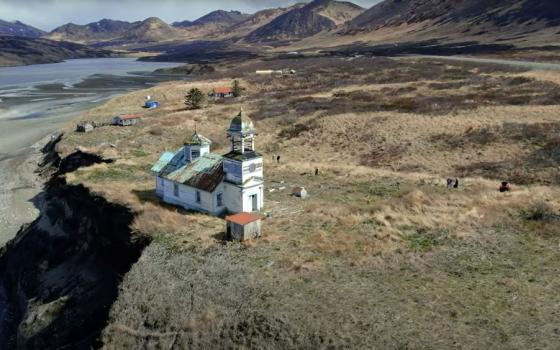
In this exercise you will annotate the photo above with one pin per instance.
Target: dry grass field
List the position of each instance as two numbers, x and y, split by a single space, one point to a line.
381 255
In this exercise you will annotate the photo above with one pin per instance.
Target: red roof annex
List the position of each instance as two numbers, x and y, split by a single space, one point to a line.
243 218
129 116
223 90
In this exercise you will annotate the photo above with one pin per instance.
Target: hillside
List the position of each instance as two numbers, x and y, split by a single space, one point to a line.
103 30
300 22
381 255
505 20
19 29
16 51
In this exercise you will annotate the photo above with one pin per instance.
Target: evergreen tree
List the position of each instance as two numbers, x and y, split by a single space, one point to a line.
194 99
236 87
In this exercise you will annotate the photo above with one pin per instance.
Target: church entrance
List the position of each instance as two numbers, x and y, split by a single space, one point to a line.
254 203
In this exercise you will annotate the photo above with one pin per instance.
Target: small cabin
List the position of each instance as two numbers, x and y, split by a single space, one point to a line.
151 104
126 120
221 92
85 127
243 226
299 192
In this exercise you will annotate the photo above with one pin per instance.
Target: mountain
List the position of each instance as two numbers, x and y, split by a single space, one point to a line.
255 21
103 30
16 51
218 18
151 29
19 29
211 24
458 18
308 20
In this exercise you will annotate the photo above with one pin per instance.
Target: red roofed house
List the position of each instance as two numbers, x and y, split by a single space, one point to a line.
126 120
243 226
221 92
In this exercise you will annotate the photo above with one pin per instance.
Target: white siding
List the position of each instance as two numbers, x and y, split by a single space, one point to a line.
160 186
187 198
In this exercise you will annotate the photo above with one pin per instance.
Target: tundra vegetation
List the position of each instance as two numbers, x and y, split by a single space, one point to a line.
381 255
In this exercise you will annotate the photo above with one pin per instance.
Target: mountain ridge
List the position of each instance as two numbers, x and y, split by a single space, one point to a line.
17 28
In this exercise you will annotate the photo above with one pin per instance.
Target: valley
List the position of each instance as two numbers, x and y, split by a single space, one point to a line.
425 133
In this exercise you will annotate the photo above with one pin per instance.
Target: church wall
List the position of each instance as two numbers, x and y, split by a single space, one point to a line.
232 198
187 197
159 186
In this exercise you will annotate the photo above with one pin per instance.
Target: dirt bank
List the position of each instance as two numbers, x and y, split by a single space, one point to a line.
60 275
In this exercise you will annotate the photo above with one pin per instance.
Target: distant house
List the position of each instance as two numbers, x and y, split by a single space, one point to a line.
126 120
85 127
221 92
243 226
151 104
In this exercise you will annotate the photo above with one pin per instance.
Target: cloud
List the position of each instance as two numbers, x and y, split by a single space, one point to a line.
48 14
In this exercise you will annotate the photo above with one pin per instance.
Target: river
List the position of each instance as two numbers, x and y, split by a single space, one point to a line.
37 101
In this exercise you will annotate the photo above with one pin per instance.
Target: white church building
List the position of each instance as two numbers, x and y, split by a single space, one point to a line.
196 179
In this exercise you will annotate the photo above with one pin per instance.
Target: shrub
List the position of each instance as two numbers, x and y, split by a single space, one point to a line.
540 211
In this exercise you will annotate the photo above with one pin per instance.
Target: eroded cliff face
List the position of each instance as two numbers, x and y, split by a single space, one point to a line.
60 275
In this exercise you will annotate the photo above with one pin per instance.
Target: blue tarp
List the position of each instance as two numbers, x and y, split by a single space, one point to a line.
152 104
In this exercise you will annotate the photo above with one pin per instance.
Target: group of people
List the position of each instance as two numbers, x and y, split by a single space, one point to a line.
454 183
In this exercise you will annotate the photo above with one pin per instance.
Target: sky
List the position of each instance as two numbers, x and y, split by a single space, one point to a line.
49 14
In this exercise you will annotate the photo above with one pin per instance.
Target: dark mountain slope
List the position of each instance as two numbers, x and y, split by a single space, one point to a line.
21 51
306 21
19 29
476 12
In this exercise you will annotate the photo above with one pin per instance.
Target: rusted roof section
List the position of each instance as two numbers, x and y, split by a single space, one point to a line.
243 218
206 173
162 162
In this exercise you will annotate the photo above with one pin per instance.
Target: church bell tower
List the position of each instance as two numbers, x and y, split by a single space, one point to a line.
243 166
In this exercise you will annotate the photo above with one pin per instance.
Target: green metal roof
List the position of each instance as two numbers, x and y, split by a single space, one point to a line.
165 158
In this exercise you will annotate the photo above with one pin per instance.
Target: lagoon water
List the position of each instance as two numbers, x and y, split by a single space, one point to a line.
73 71
37 101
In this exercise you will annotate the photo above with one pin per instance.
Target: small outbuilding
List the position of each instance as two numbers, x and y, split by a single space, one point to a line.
243 226
299 192
126 120
85 127
151 104
221 92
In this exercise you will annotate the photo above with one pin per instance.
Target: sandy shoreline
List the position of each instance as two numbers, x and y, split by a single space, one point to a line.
19 190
